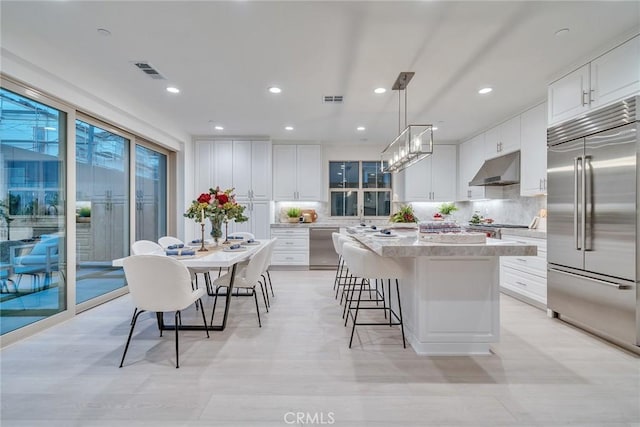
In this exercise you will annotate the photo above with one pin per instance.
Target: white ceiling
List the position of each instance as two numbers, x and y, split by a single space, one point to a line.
224 55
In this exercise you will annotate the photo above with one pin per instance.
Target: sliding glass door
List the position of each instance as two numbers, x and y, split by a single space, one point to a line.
151 194
102 209
32 217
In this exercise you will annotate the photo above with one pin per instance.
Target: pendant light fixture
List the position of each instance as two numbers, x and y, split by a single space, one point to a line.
411 145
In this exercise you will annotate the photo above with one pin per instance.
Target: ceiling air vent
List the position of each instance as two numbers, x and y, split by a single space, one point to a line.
335 99
148 69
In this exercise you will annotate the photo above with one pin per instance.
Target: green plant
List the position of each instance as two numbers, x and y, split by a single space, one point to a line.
404 214
447 208
294 212
84 212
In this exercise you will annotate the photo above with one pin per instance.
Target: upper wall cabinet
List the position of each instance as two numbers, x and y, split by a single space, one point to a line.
252 169
502 139
608 78
432 179
297 172
533 154
244 165
471 158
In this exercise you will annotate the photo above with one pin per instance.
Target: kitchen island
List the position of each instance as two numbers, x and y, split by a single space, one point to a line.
451 304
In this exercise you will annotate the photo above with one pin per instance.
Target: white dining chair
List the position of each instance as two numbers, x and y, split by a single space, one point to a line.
246 278
147 247
166 241
160 284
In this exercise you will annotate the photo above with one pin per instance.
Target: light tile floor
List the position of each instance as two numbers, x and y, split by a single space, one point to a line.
542 373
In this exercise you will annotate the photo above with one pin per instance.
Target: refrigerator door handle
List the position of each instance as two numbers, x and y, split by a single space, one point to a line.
585 203
591 279
583 212
576 228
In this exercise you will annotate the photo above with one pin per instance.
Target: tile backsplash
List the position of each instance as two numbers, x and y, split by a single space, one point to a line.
511 209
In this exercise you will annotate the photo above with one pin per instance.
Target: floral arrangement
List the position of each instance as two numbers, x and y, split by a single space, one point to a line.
405 214
217 205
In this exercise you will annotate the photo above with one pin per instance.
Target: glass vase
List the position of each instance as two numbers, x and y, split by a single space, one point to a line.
216 229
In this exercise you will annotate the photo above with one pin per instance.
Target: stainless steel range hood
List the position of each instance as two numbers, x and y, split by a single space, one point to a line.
504 170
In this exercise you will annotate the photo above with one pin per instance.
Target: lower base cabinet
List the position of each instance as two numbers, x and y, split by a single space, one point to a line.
291 248
525 278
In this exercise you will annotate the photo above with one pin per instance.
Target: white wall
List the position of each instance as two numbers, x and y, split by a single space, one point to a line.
79 94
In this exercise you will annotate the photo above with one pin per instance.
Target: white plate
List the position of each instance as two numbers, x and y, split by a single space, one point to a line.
197 245
240 249
386 235
370 230
255 243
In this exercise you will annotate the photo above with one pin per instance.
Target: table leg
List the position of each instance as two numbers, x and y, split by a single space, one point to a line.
164 327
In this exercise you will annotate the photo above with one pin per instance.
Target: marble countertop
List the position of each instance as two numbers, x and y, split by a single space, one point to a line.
407 244
337 224
523 232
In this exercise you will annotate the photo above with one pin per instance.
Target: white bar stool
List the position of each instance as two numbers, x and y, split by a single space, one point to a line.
366 264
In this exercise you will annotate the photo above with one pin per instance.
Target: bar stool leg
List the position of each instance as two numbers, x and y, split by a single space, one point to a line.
404 344
355 317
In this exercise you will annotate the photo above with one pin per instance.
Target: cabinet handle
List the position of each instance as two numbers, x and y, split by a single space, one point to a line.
583 98
591 92
521 259
288 243
521 284
540 184
520 241
545 183
289 257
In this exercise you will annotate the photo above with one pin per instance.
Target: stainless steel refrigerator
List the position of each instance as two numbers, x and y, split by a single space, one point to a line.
593 222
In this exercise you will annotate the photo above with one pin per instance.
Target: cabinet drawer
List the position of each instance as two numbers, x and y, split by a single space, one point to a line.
290 258
290 244
540 243
529 264
529 285
290 232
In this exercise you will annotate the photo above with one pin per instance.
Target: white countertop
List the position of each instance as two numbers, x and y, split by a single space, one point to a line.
407 244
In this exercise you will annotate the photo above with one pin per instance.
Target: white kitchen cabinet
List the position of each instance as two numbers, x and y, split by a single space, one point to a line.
471 158
244 165
291 247
533 152
502 139
297 172
610 77
616 74
258 224
432 179
252 169
525 278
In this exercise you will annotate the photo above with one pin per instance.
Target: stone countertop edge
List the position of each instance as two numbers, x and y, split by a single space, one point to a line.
523 232
404 247
311 225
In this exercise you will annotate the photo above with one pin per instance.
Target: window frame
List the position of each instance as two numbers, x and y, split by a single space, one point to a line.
360 190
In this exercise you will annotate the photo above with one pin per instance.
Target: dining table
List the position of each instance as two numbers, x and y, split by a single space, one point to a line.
216 256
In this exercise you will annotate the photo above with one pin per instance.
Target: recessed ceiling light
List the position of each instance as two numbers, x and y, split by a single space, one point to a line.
288 128
219 128
360 128
380 90
485 90
562 32
275 89
173 89
103 32
435 128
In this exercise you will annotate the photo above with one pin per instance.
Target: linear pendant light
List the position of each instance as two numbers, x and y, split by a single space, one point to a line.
414 143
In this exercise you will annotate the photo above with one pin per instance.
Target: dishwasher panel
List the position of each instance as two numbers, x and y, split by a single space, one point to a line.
322 255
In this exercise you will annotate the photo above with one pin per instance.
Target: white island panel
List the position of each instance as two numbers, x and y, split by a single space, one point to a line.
451 303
